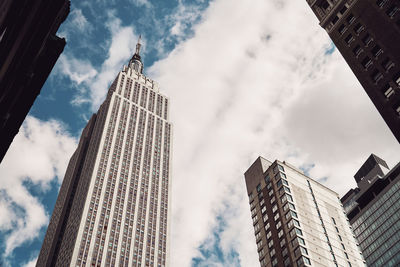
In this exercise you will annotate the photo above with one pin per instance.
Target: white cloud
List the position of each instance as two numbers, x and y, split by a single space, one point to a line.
76 23
258 82
93 82
38 154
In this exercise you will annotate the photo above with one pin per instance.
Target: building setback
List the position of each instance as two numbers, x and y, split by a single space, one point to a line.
367 34
112 208
29 48
297 221
373 209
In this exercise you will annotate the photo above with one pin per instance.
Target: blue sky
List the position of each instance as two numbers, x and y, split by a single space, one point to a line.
241 84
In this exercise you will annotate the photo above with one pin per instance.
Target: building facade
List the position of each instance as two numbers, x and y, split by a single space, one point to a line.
297 221
367 34
29 48
373 209
113 205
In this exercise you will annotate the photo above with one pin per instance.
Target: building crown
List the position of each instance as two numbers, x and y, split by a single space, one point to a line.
136 61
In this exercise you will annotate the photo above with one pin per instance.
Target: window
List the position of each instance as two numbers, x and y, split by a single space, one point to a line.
387 64
256 227
279 224
279 183
258 235
397 108
340 238
251 196
376 76
276 217
266 178
282 243
281 168
357 50
358 28
259 244
350 18
367 39
262 202
284 252
270 243
253 212
274 262
289 197
292 206
272 200
261 253
393 9
258 187
285 207
269 235
266 227
342 28
296 222
290 224
255 219
271 193
298 231
283 199
303 250
274 208
265 217
301 241
388 91
280 233
343 246
397 79
377 51
263 209
272 252
293 213
381 3
286 189
366 62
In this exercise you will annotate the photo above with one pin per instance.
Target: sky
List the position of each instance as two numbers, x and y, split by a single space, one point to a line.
245 78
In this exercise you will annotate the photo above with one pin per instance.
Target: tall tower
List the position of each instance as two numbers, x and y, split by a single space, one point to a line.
373 210
112 208
367 34
297 221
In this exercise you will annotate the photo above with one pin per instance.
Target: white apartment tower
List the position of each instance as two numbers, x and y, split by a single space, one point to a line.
297 221
113 205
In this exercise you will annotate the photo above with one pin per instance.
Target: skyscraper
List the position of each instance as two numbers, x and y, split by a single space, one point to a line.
367 34
373 209
29 48
297 221
112 208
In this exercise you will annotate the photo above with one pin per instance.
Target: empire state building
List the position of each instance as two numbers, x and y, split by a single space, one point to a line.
113 205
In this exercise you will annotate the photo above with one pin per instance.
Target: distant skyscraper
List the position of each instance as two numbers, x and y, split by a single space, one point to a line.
29 48
373 209
367 34
297 221
112 208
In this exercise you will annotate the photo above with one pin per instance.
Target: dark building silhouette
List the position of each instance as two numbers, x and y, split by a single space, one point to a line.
29 48
373 209
113 205
367 34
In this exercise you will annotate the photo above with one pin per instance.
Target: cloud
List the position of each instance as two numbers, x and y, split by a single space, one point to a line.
262 81
39 153
76 23
92 81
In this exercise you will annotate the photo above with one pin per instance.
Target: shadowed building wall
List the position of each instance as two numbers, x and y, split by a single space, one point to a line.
29 48
367 34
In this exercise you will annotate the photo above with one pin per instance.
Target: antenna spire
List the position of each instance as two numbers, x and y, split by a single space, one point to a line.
138 45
